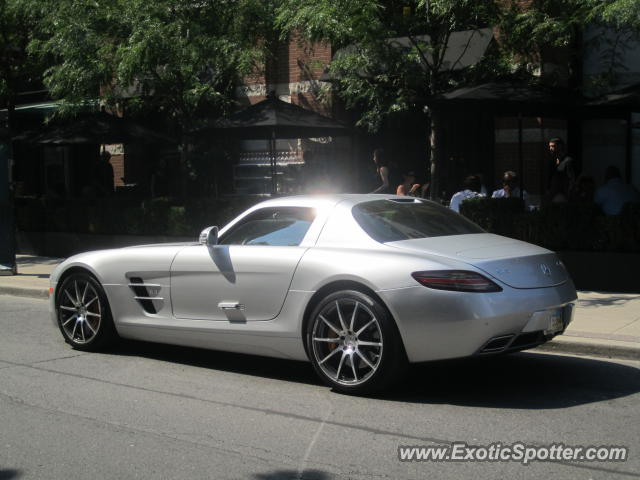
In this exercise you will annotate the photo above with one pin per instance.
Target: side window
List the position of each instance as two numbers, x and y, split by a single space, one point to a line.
285 226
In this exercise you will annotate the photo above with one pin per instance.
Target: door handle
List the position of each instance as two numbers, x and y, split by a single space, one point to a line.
230 306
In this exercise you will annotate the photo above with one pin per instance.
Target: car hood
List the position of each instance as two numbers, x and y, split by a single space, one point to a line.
513 262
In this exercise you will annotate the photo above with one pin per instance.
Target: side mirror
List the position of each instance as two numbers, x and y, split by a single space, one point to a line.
209 236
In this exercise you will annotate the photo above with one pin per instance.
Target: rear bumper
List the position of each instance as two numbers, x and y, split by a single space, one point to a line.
436 325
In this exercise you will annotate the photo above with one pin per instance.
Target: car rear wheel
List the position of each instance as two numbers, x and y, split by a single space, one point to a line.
84 316
354 344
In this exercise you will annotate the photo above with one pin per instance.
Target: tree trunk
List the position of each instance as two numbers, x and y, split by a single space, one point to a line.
183 172
435 140
184 167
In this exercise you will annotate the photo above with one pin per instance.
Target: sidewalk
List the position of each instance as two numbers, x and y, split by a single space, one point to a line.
605 324
32 279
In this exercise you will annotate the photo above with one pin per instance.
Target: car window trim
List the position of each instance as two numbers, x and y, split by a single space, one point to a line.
245 218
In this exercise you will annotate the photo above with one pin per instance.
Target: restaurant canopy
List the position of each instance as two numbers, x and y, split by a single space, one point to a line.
510 98
96 128
619 102
273 119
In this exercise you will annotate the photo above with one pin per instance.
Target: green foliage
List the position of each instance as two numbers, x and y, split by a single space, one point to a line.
532 26
373 73
621 14
180 59
495 215
18 27
377 78
568 227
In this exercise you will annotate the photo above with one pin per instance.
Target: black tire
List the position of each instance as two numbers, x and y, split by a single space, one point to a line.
83 312
362 367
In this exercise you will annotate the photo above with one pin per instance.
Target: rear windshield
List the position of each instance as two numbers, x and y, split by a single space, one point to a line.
391 221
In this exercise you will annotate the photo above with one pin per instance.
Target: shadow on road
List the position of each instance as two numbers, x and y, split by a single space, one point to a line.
277 369
9 473
520 381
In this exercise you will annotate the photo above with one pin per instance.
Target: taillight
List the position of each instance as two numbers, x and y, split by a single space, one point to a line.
456 280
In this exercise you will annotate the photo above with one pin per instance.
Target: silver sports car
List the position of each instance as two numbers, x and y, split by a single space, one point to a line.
360 285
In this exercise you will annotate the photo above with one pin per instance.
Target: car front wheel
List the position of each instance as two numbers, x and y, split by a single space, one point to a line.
83 313
354 344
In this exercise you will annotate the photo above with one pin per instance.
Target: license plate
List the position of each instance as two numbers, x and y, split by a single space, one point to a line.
555 323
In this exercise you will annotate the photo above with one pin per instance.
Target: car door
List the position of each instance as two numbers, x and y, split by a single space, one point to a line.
246 276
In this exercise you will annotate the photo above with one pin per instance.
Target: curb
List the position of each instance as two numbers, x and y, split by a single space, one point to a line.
597 350
39 293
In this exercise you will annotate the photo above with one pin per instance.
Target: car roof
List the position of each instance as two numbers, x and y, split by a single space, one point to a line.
346 199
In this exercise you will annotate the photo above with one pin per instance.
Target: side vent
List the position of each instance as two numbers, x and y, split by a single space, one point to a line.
145 293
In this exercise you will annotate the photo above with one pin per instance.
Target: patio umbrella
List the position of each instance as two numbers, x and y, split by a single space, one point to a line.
626 99
99 128
273 118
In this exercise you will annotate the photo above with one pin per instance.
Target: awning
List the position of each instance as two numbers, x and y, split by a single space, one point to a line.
98 128
273 118
510 98
618 102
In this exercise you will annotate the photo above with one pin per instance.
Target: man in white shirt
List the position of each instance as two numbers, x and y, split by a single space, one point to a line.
472 186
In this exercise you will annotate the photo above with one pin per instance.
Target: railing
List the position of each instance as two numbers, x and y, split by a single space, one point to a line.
283 157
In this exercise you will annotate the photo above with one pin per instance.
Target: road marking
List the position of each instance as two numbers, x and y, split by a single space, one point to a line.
314 439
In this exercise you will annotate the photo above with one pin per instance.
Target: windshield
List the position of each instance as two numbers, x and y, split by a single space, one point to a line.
393 220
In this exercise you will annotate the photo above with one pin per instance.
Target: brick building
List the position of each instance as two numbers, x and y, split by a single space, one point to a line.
293 75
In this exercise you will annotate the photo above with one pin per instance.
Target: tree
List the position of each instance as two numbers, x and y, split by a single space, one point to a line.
616 32
18 69
612 27
381 76
371 73
171 57
621 14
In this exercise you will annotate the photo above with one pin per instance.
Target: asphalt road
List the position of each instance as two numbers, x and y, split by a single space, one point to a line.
155 411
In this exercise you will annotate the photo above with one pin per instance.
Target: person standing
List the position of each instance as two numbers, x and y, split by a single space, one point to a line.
562 168
383 172
106 183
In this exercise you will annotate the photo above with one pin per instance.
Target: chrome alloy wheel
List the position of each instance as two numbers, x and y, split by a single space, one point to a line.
80 311
347 341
